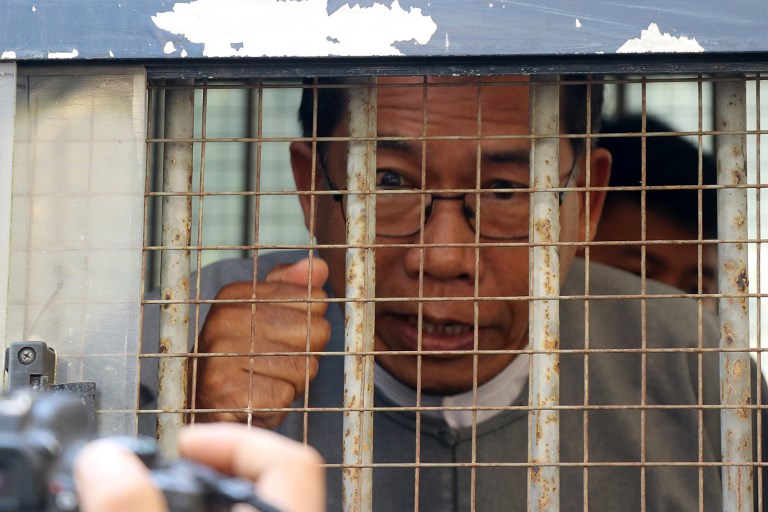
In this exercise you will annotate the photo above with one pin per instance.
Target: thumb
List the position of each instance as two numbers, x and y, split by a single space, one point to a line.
298 273
109 478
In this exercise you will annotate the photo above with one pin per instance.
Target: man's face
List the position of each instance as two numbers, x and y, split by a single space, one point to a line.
445 269
673 264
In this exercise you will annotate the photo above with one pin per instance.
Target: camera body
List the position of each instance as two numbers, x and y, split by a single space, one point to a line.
41 434
43 426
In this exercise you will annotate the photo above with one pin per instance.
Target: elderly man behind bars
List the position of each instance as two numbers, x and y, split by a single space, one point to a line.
621 444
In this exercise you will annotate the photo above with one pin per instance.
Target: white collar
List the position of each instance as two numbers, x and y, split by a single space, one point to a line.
500 391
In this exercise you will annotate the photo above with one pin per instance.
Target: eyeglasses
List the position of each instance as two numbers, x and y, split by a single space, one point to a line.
504 211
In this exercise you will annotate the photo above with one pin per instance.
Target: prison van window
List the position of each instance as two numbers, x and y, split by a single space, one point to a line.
465 291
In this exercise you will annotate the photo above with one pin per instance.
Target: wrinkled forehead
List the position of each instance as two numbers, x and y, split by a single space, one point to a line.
453 105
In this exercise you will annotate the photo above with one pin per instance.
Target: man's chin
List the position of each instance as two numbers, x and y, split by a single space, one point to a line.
441 382
446 388
444 374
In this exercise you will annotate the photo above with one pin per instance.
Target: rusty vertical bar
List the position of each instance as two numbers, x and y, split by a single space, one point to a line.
357 452
735 418
544 331
175 269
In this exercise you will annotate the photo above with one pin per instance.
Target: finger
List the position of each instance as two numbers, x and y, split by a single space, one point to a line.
268 409
241 373
109 478
273 329
278 465
277 290
260 373
299 273
243 451
294 370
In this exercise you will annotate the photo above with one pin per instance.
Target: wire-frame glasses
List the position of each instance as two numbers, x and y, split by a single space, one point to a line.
504 210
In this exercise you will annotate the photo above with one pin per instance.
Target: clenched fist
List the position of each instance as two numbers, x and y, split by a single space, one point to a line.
262 381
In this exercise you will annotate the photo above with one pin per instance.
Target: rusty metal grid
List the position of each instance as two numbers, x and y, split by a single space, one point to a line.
362 353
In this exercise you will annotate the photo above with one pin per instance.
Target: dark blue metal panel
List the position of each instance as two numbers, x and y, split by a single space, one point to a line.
163 29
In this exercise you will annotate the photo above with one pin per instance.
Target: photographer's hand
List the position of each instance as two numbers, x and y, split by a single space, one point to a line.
262 381
286 474
109 478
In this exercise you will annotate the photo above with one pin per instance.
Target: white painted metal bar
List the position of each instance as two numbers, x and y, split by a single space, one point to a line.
735 419
175 265
7 115
544 326
360 268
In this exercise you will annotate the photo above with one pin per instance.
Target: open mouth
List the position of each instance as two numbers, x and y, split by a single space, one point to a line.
448 329
434 336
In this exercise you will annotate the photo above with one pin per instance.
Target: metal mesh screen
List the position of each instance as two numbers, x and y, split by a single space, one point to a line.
415 282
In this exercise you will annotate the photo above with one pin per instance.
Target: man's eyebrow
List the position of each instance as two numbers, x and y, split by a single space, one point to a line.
400 145
514 156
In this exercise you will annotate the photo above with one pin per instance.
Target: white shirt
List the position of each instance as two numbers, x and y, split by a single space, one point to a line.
500 391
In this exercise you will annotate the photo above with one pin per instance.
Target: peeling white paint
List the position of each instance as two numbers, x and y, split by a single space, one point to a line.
10 54
653 41
34 8
447 41
63 55
578 23
183 53
111 54
169 47
276 28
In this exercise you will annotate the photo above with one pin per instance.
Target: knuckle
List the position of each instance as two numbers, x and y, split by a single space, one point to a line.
320 331
277 394
232 290
313 366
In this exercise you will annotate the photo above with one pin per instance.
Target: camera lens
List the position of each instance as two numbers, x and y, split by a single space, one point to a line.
7 467
22 482
9 484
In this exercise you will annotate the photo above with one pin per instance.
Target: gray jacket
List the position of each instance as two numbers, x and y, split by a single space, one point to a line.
602 442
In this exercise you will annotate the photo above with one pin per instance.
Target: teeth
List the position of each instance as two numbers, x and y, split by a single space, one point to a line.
455 329
448 329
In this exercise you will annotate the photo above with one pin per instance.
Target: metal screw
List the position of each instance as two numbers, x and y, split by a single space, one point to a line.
27 355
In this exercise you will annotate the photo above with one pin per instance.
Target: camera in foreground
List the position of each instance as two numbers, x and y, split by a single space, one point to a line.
40 436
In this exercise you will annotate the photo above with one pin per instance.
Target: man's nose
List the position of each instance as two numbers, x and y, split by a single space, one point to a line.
443 257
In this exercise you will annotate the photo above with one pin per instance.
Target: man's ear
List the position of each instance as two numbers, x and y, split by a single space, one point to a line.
599 175
301 162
